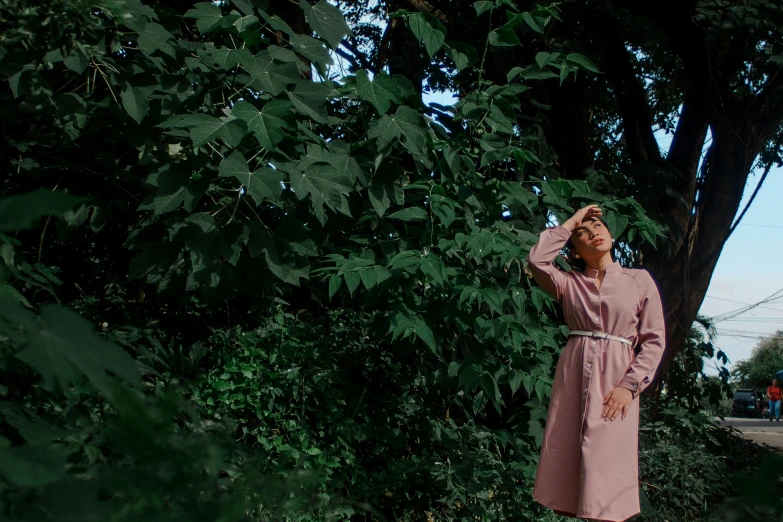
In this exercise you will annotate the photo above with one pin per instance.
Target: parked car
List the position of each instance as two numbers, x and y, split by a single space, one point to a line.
748 403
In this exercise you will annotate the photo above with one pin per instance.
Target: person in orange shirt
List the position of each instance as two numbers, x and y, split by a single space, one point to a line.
773 394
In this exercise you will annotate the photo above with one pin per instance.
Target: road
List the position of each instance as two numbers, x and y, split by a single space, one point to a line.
746 424
761 431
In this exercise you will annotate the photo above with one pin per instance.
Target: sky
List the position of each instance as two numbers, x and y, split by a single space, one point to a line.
749 270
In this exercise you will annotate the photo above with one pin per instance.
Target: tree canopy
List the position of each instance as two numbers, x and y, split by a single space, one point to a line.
766 359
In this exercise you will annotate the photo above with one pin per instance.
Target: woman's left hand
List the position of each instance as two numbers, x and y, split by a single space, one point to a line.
617 403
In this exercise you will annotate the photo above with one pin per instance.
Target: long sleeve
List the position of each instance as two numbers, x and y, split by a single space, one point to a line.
651 337
540 259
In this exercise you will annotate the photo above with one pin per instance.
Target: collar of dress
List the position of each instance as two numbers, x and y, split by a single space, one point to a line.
614 267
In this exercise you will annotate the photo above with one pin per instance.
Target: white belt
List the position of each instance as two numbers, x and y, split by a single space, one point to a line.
601 335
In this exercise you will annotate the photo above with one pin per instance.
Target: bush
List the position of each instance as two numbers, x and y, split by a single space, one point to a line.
311 391
688 464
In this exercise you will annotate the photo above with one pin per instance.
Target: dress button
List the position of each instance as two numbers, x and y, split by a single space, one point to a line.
585 390
589 365
595 318
593 342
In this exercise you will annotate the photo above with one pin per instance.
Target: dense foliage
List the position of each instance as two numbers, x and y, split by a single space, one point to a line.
309 285
764 362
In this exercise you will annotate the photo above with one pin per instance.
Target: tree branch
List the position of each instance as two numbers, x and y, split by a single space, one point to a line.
424 6
632 99
776 146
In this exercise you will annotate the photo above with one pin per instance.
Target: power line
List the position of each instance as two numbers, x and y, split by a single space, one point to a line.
739 311
747 304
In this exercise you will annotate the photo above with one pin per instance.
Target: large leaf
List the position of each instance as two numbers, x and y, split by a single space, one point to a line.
312 49
309 98
267 124
155 37
63 342
380 91
431 38
267 75
327 21
325 185
205 128
411 214
262 184
135 101
209 243
24 210
406 123
173 190
31 466
582 62
280 252
209 17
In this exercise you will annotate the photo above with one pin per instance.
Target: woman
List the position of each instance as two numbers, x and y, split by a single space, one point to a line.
589 459
773 396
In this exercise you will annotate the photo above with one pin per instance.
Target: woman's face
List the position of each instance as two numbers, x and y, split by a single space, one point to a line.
774 382
591 239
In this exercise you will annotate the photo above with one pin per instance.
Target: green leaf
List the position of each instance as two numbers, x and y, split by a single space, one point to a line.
504 37
294 236
411 214
532 23
312 49
309 98
515 380
31 466
208 17
327 21
352 280
325 185
544 58
565 70
267 75
135 101
424 332
406 123
205 128
432 38
583 62
9 292
245 23
267 124
539 297
483 6
530 73
282 261
335 282
63 340
382 194
616 223
461 60
262 184
380 91
155 37
23 211
433 267
225 57
172 191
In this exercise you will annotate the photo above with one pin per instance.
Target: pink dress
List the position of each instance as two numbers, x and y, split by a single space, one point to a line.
590 467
